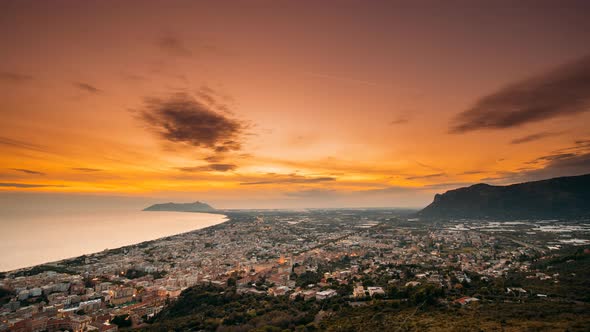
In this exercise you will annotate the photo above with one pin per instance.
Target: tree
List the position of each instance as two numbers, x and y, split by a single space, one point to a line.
122 321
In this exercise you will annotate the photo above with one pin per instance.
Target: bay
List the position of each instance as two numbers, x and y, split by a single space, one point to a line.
30 238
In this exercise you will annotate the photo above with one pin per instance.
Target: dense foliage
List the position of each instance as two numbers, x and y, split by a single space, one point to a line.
211 308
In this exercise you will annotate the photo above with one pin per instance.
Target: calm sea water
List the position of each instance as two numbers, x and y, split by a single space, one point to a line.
30 238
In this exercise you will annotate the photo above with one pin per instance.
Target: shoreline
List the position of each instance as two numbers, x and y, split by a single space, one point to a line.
57 263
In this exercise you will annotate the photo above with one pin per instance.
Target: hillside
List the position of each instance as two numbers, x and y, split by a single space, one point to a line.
181 207
564 197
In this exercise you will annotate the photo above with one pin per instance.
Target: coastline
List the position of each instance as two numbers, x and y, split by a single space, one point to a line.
64 261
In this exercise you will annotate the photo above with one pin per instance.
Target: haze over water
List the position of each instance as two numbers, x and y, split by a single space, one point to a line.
32 237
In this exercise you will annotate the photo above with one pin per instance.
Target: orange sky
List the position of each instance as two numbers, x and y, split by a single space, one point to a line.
290 103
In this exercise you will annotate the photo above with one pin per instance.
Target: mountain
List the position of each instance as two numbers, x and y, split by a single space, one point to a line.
564 197
181 207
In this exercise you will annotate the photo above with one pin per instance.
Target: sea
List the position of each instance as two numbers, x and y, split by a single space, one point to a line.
33 237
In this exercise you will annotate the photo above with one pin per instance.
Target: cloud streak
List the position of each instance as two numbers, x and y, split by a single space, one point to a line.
563 91
573 160
86 169
28 171
534 137
398 121
290 178
186 120
87 87
13 143
27 185
173 46
210 167
12 77
427 176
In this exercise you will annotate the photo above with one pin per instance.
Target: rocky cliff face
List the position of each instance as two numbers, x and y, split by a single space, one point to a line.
565 197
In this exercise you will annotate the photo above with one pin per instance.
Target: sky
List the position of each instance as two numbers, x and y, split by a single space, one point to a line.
289 104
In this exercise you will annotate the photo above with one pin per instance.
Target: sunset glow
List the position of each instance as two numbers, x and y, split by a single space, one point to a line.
287 103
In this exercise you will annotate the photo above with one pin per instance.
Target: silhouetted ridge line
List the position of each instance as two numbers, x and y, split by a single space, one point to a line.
563 197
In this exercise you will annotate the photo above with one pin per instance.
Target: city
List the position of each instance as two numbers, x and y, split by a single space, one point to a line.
350 258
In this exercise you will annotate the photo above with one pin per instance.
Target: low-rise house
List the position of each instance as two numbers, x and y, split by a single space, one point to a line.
325 294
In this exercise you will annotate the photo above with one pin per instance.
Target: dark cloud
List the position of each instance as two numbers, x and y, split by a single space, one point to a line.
534 137
290 178
21 144
584 142
213 159
560 92
399 121
471 172
173 46
28 185
12 77
27 171
556 167
183 119
210 167
427 176
87 87
574 160
86 169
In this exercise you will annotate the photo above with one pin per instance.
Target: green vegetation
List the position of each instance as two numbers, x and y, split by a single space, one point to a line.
122 321
134 274
533 316
43 268
5 295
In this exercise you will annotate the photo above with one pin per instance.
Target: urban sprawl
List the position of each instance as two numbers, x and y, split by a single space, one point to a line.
311 255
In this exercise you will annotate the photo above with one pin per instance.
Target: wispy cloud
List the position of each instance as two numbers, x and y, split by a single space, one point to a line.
398 121
573 160
290 178
86 169
186 120
14 143
28 185
430 167
210 167
214 100
471 172
560 92
173 46
534 137
87 87
12 77
213 158
427 176
27 171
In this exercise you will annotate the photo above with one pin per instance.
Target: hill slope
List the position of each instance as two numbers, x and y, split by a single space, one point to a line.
181 207
563 197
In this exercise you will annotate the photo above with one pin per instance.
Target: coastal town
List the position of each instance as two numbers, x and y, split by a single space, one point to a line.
355 256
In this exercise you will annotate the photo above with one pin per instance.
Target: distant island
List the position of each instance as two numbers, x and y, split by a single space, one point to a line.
563 197
181 207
